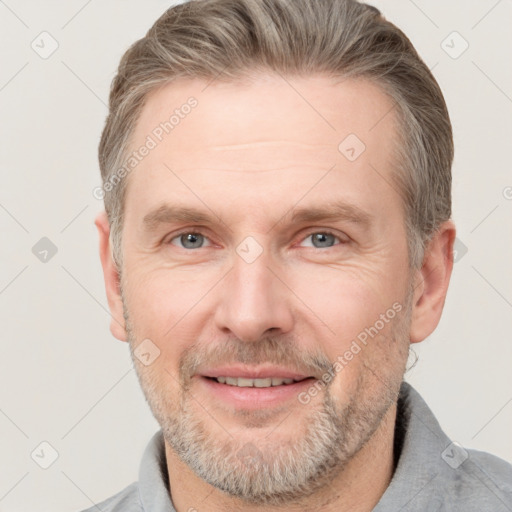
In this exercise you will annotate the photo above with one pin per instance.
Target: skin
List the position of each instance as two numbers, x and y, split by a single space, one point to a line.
252 153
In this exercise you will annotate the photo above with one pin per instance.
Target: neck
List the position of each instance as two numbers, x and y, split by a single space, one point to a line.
349 490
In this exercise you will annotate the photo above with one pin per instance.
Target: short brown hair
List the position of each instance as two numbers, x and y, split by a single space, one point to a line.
227 39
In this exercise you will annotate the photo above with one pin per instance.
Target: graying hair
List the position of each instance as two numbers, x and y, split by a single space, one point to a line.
230 39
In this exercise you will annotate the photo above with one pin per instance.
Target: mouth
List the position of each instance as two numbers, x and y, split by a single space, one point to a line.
268 382
250 388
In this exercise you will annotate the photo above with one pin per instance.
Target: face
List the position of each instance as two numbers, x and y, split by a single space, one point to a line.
265 265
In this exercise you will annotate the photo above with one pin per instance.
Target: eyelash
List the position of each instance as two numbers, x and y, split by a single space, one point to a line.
198 232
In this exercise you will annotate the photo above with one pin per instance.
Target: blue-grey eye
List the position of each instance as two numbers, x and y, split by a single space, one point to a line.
321 240
190 240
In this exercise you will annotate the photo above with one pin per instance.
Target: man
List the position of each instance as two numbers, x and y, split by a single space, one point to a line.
277 179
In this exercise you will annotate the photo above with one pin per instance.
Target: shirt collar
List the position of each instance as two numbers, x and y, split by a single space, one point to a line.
153 477
420 459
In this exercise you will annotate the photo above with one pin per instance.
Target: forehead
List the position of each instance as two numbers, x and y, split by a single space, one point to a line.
233 113
263 136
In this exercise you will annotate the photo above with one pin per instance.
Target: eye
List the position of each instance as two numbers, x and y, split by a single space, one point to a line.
196 240
189 240
322 239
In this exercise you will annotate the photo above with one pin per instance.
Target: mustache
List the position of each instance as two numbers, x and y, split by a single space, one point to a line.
277 351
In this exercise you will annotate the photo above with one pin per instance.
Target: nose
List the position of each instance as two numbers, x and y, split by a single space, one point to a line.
254 302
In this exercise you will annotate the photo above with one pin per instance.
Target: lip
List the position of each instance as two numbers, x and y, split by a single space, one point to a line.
251 398
248 372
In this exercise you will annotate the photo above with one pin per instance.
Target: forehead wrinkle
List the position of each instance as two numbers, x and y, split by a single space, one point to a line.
256 169
268 143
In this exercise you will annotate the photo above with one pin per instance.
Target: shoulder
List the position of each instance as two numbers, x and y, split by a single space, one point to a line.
435 474
493 467
481 482
126 500
466 480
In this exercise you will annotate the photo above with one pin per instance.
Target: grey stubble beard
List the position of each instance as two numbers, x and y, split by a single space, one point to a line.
263 472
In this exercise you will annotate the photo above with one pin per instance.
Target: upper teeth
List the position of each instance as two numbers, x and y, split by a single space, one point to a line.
257 383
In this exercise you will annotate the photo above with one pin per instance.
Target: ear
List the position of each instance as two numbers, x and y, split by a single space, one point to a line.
111 277
431 283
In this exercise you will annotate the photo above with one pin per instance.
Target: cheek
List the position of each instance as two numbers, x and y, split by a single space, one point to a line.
159 301
368 358
347 300
359 310
164 307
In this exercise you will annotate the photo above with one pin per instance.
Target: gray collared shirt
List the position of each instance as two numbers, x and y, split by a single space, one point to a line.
433 474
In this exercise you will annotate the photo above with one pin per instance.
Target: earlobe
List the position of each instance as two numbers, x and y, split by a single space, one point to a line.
432 282
111 278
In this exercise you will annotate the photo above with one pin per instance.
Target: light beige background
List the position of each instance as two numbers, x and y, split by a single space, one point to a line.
67 382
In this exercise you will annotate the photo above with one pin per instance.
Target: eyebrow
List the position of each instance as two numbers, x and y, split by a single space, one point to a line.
168 214
334 211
